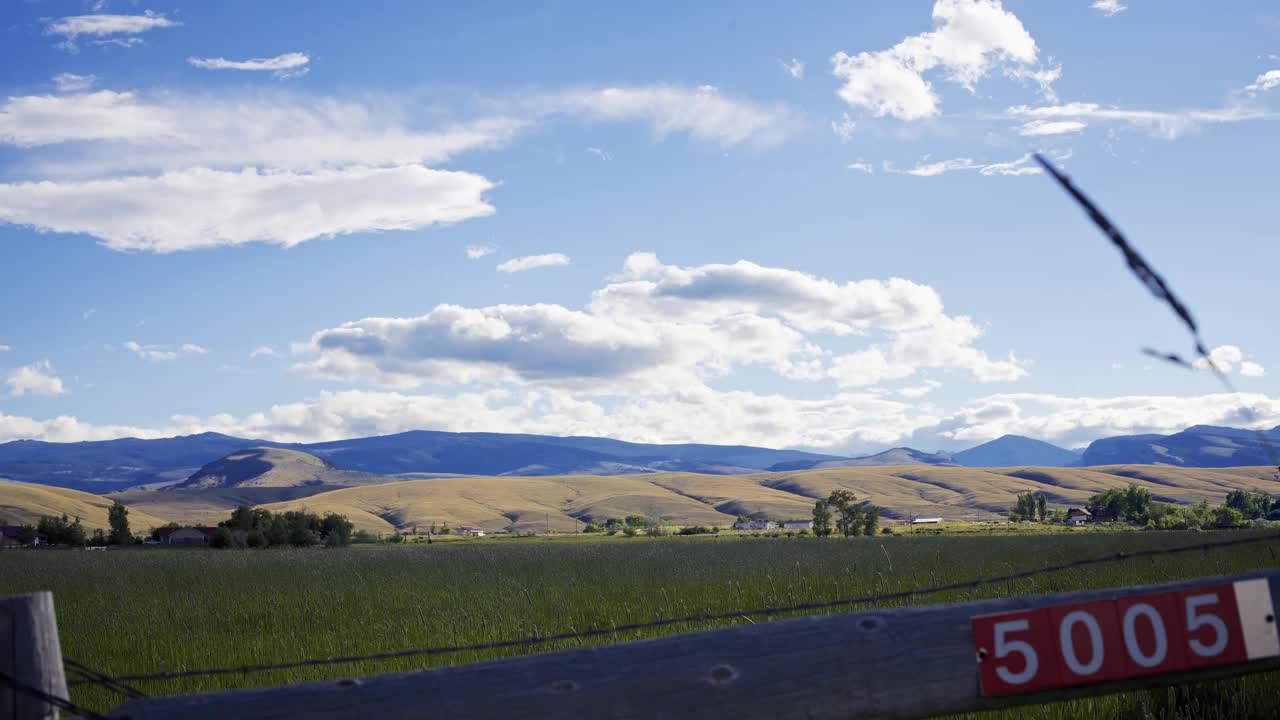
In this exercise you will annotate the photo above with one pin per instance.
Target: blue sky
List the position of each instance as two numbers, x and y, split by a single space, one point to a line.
811 226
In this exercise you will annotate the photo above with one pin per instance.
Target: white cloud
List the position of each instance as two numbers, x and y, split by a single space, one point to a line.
1051 127
1024 165
287 65
863 166
970 38
106 26
919 391
38 378
70 82
704 112
263 351
1268 80
794 68
842 423
657 328
201 208
600 153
532 262
1074 421
844 127
1230 359
5 348
1108 7
88 313
163 352
475 252
1168 125
174 171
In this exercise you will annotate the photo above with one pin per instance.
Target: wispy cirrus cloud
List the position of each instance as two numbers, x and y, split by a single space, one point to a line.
288 65
1170 125
793 67
1108 7
533 262
163 352
121 30
475 252
1024 165
70 82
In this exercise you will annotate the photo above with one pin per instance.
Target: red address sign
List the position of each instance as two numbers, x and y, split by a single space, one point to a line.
1092 642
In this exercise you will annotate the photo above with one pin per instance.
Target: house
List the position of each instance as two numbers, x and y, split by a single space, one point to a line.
470 531
797 524
755 525
9 536
186 535
926 521
1078 516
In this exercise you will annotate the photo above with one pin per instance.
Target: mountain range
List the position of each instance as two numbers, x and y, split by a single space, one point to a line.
212 460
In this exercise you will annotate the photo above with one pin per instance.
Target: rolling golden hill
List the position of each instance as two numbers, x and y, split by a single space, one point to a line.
563 503
22 503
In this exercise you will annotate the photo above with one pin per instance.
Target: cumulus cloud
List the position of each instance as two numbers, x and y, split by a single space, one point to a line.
1108 7
1024 165
163 352
475 252
969 39
794 68
106 28
288 65
263 351
657 327
533 262
38 378
1230 359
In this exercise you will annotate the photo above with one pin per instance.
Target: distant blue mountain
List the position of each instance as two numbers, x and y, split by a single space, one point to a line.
110 465
1197 446
1011 450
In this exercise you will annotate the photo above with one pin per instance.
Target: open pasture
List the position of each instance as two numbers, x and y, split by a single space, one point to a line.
144 610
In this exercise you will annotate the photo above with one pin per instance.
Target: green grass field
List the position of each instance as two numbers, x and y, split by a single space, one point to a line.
150 609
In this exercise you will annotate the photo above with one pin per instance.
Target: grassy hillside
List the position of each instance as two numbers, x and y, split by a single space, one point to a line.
267 467
564 502
561 502
21 503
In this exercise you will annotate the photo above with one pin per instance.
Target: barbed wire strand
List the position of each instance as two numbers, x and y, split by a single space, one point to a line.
93 677
695 618
54 700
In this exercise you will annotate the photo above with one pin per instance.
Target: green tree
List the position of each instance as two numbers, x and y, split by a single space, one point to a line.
1224 517
62 531
1249 506
843 503
221 538
870 519
821 518
336 530
27 535
1042 507
118 519
1024 507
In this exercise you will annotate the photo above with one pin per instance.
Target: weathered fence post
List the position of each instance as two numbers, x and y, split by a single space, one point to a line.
31 655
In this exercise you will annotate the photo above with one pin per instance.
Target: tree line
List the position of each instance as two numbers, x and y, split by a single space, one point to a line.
258 528
1135 505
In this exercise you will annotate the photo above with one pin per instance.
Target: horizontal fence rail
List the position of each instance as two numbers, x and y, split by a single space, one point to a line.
900 663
